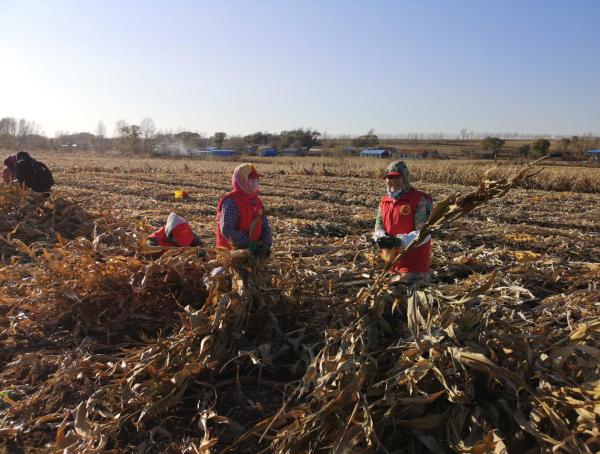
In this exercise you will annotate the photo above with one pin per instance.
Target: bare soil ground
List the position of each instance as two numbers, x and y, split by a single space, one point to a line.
545 245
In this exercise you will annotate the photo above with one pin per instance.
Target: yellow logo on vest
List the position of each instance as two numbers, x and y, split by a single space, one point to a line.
404 210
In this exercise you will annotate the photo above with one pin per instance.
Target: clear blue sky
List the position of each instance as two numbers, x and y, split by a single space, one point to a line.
341 67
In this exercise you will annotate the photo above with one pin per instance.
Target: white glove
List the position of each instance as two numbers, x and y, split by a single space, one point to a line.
408 238
378 234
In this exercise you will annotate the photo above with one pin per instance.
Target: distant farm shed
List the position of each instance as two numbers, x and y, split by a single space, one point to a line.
374 153
222 153
294 152
594 153
268 152
315 152
412 154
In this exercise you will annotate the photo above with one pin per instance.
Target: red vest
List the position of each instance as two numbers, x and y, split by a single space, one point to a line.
249 209
161 237
398 216
181 235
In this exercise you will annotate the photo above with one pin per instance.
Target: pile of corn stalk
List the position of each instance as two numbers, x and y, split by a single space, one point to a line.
109 345
411 370
104 336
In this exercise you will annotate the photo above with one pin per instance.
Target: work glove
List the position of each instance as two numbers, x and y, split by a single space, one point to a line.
383 240
253 247
387 242
407 238
380 233
264 250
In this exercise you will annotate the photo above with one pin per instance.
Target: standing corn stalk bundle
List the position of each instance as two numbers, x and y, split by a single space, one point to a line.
458 375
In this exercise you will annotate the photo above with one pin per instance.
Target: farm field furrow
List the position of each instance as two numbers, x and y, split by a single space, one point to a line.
92 323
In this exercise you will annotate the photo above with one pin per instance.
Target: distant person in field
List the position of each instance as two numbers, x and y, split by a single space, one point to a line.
175 233
241 222
8 172
403 211
32 173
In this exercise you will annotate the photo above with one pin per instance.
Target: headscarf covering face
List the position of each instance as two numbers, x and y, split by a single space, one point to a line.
245 179
10 161
399 167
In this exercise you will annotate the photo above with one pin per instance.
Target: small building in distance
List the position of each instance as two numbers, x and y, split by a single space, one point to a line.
218 153
267 152
374 153
315 152
412 153
295 152
593 153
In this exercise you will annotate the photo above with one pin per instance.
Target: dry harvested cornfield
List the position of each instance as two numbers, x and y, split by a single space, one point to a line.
107 349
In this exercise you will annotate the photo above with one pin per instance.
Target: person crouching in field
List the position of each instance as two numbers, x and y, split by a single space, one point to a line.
32 173
8 172
402 212
175 233
241 222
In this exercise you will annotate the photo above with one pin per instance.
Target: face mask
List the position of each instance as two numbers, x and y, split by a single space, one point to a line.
253 185
394 194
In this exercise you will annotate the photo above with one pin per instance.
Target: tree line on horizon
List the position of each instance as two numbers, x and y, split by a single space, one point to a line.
141 138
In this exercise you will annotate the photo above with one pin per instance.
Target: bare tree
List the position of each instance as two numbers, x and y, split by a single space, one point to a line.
494 144
134 138
122 130
464 133
219 138
8 125
129 136
148 132
101 130
8 131
120 126
23 131
100 135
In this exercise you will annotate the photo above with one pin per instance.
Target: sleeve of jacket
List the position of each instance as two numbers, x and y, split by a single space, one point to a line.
267 235
229 222
21 170
423 212
379 220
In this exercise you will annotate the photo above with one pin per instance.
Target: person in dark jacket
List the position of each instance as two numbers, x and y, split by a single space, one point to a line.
32 173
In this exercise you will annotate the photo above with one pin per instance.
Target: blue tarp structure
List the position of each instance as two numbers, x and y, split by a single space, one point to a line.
374 153
223 153
268 153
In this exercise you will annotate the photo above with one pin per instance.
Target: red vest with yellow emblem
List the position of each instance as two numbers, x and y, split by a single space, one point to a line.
250 210
398 216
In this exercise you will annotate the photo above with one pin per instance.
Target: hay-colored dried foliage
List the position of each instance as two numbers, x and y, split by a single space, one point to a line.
107 347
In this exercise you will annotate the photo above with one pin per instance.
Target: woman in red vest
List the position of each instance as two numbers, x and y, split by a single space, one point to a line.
402 212
241 222
175 233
